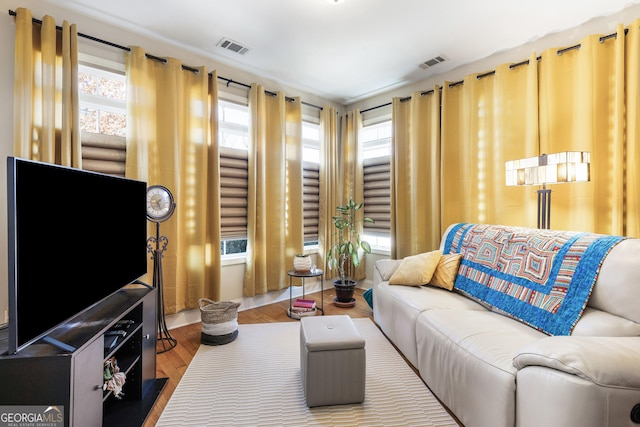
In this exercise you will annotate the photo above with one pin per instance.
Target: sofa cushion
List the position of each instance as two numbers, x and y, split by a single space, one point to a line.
445 275
597 323
606 361
416 270
396 308
617 289
429 298
466 358
489 336
386 267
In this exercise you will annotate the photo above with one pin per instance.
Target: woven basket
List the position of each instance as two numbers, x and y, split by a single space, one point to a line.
219 321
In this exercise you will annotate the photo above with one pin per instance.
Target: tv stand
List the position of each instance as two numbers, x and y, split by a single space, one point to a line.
70 377
59 344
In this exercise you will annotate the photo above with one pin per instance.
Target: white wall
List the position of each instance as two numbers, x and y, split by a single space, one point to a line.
6 144
600 25
232 272
232 278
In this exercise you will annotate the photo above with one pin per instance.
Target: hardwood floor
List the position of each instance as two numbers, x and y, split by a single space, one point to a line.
173 363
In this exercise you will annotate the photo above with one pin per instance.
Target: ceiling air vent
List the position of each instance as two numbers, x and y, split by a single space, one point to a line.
431 62
233 46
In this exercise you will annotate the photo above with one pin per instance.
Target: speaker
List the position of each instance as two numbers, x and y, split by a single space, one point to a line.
635 413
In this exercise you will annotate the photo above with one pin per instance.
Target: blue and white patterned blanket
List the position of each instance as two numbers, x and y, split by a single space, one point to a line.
541 277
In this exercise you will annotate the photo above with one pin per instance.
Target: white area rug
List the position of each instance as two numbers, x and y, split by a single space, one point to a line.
256 381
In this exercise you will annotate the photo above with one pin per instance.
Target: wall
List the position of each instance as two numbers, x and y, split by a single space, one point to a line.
233 272
6 145
599 25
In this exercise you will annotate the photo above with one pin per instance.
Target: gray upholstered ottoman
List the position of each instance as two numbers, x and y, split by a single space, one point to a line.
332 359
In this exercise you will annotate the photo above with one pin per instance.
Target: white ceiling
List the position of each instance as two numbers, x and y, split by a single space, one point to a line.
352 49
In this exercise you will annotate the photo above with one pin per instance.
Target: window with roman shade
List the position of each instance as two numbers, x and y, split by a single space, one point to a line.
234 176
233 193
311 200
377 195
376 146
233 116
103 124
104 153
103 115
311 175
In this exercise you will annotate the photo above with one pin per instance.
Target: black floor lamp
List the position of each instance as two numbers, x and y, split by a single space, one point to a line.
160 206
544 207
558 168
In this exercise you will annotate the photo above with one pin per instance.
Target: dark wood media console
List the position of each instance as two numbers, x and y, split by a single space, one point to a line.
43 374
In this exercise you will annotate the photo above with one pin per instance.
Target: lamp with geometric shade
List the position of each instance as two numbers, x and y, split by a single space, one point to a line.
558 168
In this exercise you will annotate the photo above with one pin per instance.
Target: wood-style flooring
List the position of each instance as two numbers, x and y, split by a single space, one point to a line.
173 363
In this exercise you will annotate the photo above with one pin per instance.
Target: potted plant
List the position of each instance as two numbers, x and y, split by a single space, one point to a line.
344 254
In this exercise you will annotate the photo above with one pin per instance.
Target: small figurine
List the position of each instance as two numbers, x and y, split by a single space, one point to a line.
113 379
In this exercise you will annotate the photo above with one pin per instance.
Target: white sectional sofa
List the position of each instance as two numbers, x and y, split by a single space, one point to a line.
493 368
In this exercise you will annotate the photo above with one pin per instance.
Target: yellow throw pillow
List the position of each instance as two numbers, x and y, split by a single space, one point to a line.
445 275
416 270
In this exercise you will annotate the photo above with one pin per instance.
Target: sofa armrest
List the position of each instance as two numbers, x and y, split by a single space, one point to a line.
384 269
606 361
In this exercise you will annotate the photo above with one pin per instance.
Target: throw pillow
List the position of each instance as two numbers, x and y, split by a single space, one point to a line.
368 296
416 270
445 275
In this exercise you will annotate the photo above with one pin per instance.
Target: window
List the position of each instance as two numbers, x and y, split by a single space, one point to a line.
376 146
234 173
311 181
234 125
103 118
234 142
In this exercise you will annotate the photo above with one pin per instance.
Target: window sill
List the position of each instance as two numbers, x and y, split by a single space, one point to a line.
310 250
234 259
381 251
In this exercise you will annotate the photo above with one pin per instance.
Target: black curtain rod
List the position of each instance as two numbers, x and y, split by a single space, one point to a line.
230 81
405 99
375 108
86 36
602 39
163 60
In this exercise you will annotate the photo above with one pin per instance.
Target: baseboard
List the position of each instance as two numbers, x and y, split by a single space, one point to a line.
189 317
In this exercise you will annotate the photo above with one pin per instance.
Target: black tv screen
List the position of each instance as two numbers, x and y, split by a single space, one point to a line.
75 237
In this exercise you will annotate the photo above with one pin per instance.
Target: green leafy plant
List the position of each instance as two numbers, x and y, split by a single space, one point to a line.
344 253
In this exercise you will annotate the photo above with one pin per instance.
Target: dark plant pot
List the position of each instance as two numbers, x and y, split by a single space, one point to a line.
344 289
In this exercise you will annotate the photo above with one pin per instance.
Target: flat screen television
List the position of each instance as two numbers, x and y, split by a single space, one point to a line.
75 237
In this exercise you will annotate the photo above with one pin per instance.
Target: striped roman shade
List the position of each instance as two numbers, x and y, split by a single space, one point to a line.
377 195
233 193
107 154
311 201
104 153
